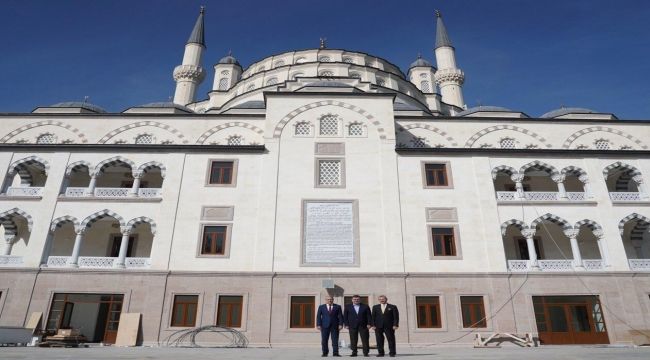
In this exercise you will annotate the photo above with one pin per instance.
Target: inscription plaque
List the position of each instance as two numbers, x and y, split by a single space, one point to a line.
329 233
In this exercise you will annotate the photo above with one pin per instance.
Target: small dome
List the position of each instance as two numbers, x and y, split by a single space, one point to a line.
420 62
229 59
79 104
567 110
481 108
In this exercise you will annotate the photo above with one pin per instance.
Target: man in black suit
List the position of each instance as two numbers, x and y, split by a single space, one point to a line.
329 320
385 320
357 319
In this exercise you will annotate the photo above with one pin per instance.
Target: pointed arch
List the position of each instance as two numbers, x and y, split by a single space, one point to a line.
573 137
551 218
153 164
218 128
504 168
517 223
589 223
20 164
60 124
633 216
573 169
538 164
474 138
277 132
121 129
61 220
113 161
77 164
100 215
430 127
622 165
142 219
7 220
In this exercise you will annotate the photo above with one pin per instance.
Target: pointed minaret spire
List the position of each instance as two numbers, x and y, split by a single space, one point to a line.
198 36
449 77
190 74
442 38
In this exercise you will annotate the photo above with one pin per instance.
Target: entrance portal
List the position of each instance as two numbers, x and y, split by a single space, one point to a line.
95 316
570 320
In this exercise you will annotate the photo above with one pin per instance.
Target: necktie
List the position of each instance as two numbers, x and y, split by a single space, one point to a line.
329 308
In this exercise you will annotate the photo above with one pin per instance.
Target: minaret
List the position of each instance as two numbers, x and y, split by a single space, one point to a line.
448 77
190 74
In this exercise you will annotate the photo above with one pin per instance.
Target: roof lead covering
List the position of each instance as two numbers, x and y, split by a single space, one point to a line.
442 38
197 35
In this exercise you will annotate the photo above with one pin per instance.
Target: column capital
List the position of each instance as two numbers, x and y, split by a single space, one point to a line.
638 179
584 179
80 230
599 233
571 233
137 174
517 177
126 230
528 233
558 178
9 238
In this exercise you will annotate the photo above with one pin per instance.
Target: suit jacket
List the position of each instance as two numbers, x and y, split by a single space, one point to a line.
326 319
388 319
354 320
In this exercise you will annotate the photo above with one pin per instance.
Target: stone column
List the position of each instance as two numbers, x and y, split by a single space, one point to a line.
600 235
124 246
91 186
575 249
8 179
137 175
586 186
638 179
519 186
9 243
529 234
559 180
74 259
64 185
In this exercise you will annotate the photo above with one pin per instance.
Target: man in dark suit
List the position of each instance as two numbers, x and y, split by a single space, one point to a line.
385 320
329 320
357 319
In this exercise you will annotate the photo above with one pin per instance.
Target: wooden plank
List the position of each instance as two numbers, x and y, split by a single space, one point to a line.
34 321
127 331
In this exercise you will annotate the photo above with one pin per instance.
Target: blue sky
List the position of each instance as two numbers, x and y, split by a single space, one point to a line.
528 55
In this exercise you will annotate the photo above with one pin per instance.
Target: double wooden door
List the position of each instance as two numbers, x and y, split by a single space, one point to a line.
570 320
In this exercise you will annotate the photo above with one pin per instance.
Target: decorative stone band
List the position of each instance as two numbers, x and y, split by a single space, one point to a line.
189 72
450 75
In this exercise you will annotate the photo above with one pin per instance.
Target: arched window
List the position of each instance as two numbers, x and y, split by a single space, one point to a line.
144 139
225 73
329 125
301 60
324 58
297 75
279 63
507 143
46 139
303 128
223 84
355 75
425 86
348 60
326 73
250 87
381 82
355 129
272 81
235 140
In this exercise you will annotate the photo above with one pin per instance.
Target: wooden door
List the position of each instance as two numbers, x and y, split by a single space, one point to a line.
570 320
112 319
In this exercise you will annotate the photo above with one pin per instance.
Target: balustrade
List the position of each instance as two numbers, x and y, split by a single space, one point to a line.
625 196
97 262
555 265
540 196
24 191
639 264
11 260
593 264
518 265
112 192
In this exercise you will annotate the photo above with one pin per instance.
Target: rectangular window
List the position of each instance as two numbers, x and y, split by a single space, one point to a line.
436 174
184 310
348 300
214 240
221 172
428 311
473 311
329 172
443 241
229 311
302 312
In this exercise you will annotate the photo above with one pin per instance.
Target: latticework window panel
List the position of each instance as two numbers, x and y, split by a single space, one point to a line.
329 172
329 125
46 139
144 139
602 144
327 73
223 84
355 129
355 75
303 128
425 86
279 63
272 81
348 60
419 142
381 82
507 143
235 140
324 59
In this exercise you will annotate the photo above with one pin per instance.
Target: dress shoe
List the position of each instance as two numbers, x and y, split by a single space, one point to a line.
392 355
324 355
380 355
337 355
353 355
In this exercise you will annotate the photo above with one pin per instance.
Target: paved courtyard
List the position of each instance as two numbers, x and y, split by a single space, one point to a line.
465 353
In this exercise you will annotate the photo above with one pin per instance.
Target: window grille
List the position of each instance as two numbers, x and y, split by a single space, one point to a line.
303 128
46 139
329 125
301 60
355 75
324 59
419 142
355 129
423 76
250 87
329 172
223 84
425 86
348 60
602 144
326 73
144 139
272 81
279 63
225 73
235 140
381 82
507 143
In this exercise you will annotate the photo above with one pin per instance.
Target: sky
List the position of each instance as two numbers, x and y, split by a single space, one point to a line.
526 55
